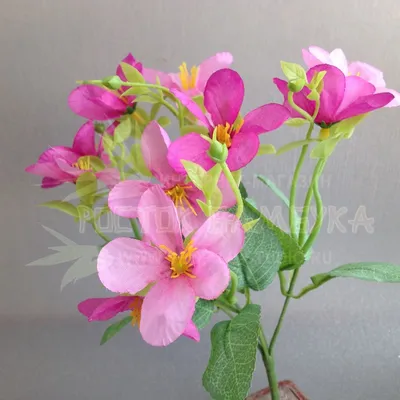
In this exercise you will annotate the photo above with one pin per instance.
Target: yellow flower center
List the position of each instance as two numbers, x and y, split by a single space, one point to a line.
188 80
225 132
83 163
179 197
324 133
181 263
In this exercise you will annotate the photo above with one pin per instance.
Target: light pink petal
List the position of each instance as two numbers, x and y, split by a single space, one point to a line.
243 149
167 310
265 118
96 103
159 219
109 176
49 170
190 221
396 101
228 196
309 59
192 332
84 141
191 147
128 265
103 309
338 59
212 64
59 152
211 272
150 75
48 183
68 168
222 234
223 96
368 72
320 54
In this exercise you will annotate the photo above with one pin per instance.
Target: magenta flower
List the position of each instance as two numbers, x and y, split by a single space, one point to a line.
61 164
342 96
315 55
223 98
101 104
180 272
124 198
190 82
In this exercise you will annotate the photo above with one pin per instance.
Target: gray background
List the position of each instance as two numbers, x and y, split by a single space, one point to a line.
340 342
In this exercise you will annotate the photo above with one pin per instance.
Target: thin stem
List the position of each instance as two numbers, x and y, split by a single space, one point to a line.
170 108
135 228
227 172
247 295
282 282
234 284
295 107
97 230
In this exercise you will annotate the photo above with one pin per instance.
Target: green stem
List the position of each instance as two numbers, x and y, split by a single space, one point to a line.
97 230
295 107
234 284
135 228
227 172
282 282
170 108
247 295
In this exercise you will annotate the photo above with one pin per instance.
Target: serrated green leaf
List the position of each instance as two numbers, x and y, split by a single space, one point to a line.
164 121
86 187
266 149
62 206
296 122
293 72
294 145
113 329
325 148
138 160
123 131
233 355
203 312
195 172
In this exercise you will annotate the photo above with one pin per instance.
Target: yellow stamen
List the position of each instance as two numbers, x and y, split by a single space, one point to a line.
188 80
83 163
324 133
225 132
179 197
136 310
180 263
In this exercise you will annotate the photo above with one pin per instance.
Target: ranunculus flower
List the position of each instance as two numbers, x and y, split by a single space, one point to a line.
223 98
315 55
124 198
342 96
180 272
104 309
61 164
101 104
190 82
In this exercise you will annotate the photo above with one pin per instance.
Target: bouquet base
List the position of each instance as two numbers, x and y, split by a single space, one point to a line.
288 391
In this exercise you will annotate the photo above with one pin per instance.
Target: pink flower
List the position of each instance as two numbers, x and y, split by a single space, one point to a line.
61 164
180 272
98 103
223 98
124 198
342 96
103 309
190 82
315 55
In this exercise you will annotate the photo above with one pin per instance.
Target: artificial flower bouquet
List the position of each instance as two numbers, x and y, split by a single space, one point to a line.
199 244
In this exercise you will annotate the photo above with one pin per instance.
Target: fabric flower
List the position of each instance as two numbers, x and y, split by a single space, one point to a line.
315 55
104 309
61 164
180 272
342 96
223 98
190 82
124 198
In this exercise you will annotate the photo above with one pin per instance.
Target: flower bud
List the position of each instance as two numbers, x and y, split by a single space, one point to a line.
296 86
218 152
113 82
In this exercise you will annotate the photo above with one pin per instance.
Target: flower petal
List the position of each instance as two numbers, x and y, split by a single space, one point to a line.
109 176
191 147
124 198
192 332
190 221
151 75
103 309
211 272
48 183
159 219
396 101
84 141
243 149
338 59
320 54
310 59
48 170
167 310
52 153
265 118
223 96
228 196
368 72
222 234
128 265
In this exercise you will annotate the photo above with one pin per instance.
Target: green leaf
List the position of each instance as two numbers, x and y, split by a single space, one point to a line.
203 313
296 122
346 127
233 355
294 145
249 225
313 95
243 191
203 207
86 187
325 148
237 176
113 329
131 73
62 206
154 110
149 97
140 116
135 91
266 149
195 172
123 131
316 81
138 160
293 71
164 121
202 130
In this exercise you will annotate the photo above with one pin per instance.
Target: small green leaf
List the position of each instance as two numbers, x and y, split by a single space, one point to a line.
204 207
164 121
346 127
149 97
108 142
316 81
131 73
243 191
203 313
296 122
294 145
237 176
325 148
123 131
249 225
86 187
233 355
313 95
210 180
293 71
266 149
154 110
202 130
195 172
62 206
135 91
138 160
113 329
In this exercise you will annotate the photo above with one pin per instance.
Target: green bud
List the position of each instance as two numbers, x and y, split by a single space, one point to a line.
218 152
99 127
297 85
113 82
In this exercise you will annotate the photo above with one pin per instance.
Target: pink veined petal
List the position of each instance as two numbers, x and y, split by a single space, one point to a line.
211 272
209 66
124 198
338 59
84 141
48 170
96 103
192 332
109 176
166 311
368 72
223 96
243 149
48 183
396 101
228 196
191 147
265 118
59 152
159 219
103 309
190 221
128 265
320 54
222 234
154 143
309 59
150 75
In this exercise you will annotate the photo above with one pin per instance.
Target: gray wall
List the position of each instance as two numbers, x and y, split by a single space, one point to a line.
341 342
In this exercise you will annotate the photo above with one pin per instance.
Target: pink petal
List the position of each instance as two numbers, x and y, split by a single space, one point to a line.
338 59
368 72
222 234
309 59
59 152
167 310
212 64
228 196
150 75
128 265
109 176
48 183
211 272
67 168
192 332
159 219
191 147
103 309
320 54
124 198
190 221
48 170
396 101
84 141
223 96
265 118
243 149
96 103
